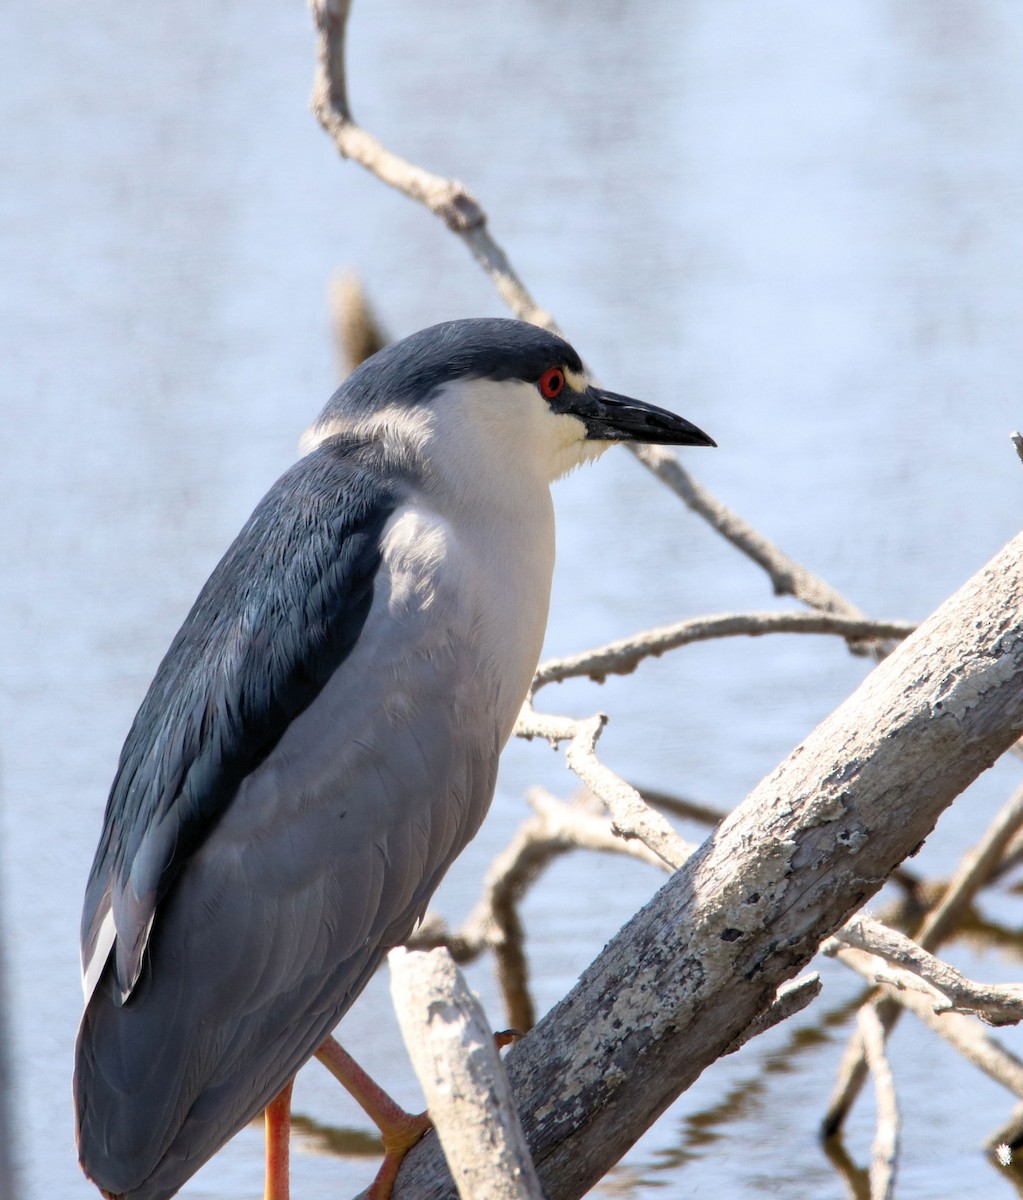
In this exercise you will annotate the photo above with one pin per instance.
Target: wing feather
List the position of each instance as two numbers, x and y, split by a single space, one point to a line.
280 612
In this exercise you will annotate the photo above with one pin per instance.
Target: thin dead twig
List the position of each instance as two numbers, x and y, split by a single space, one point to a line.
788 577
447 198
976 869
1010 860
631 817
462 213
908 965
1010 1134
623 656
358 334
962 1032
793 996
682 806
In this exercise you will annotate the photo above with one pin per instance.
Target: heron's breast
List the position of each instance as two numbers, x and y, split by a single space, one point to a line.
482 585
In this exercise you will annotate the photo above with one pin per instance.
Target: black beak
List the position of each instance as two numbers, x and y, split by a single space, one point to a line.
612 418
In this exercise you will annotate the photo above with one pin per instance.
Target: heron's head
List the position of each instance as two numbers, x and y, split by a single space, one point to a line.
492 392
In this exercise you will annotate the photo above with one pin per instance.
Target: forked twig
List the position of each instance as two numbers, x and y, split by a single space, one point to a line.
963 1033
464 216
904 964
631 816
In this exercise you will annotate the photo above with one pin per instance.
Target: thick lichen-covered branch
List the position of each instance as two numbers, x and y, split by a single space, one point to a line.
810 844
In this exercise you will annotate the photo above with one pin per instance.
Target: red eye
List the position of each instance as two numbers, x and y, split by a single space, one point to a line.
551 382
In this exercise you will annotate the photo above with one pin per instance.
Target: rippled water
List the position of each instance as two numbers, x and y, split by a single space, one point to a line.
799 224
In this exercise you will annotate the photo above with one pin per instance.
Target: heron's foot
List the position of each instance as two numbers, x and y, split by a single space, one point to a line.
398 1139
399 1130
400 1136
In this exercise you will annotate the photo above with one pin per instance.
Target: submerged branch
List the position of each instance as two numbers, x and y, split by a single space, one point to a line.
884 1153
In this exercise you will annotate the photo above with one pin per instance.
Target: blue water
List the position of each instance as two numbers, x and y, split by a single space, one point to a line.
801 225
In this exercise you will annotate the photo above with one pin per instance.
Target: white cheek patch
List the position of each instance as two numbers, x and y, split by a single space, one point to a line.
572 447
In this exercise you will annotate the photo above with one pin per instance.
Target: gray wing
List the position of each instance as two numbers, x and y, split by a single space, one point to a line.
280 612
324 858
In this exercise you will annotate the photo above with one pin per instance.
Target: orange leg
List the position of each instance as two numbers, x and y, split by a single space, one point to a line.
399 1130
278 1131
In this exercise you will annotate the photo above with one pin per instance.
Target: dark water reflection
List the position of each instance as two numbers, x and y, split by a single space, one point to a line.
798 223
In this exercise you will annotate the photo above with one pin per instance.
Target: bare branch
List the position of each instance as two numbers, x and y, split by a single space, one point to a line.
682 806
1009 1135
622 657
788 577
885 1150
975 869
792 997
456 1060
462 213
995 1004
447 198
579 826
1011 858
357 332
964 1033
494 923
632 818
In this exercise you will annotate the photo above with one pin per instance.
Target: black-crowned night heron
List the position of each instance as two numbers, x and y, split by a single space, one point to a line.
321 740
